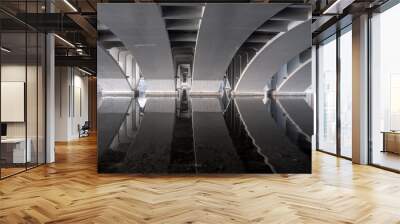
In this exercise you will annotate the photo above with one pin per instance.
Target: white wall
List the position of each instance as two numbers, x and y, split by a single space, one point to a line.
61 103
70 83
50 93
12 73
33 126
79 117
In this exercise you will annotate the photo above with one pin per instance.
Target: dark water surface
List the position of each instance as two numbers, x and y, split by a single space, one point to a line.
194 135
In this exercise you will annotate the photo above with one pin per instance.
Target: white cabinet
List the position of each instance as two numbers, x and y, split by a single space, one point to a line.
19 155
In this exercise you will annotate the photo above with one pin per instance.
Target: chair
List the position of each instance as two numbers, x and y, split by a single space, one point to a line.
84 130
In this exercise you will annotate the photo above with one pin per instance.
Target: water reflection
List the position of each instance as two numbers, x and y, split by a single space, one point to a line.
271 135
214 148
205 135
113 113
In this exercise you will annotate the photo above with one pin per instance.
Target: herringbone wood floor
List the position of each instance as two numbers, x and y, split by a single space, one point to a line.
70 191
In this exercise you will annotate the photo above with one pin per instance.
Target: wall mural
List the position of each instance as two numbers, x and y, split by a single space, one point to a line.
201 88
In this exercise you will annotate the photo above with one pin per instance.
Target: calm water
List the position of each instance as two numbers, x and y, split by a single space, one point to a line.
204 135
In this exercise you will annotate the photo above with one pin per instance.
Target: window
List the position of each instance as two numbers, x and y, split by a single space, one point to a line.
327 95
335 74
22 87
385 89
345 43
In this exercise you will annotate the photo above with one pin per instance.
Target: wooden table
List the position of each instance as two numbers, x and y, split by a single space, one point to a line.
391 141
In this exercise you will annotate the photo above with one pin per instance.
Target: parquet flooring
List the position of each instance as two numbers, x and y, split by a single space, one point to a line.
8 171
71 191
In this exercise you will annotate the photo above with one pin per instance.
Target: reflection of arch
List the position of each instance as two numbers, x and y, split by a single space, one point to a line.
226 99
253 161
299 111
273 144
111 112
272 56
150 152
115 152
295 117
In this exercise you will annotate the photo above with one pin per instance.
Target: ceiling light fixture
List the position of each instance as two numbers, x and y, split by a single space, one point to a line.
5 50
64 40
70 5
84 71
331 7
337 7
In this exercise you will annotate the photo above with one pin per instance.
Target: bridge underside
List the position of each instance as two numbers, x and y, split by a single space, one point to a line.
208 38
